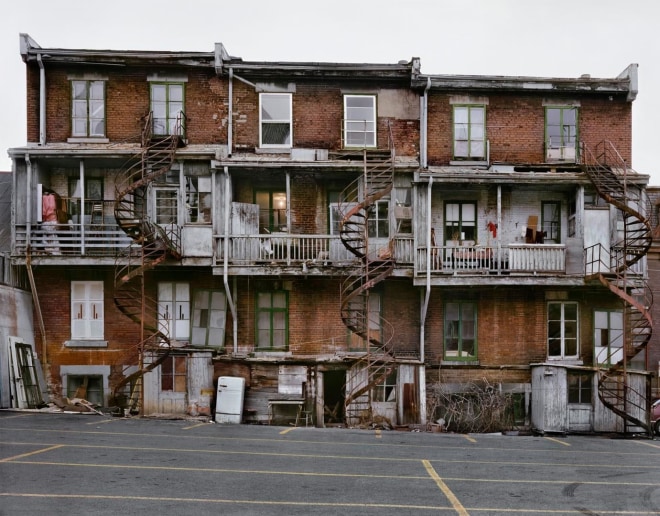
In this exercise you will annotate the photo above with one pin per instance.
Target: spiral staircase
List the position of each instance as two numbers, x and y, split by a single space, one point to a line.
376 362
614 268
151 244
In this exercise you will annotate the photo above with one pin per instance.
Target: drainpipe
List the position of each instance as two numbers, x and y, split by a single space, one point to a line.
28 202
424 128
225 261
230 113
42 101
427 294
81 215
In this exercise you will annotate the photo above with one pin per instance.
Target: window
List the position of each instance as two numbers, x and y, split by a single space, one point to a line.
272 210
199 199
550 222
359 121
174 310
460 221
167 108
86 309
272 320
460 331
208 318
469 132
579 387
385 389
167 205
359 343
608 337
379 220
88 108
561 133
563 330
275 126
89 387
173 374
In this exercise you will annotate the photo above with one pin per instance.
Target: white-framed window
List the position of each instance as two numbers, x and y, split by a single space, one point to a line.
608 337
561 128
470 132
563 334
275 113
166 203
379 219
359 120
167 107
87 108
87 310
174 310
208 318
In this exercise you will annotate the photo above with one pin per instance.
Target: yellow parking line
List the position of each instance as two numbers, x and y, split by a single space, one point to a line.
23 455
445 490
284 432
471 439
556 441
193 426
379 435
648 444
100 422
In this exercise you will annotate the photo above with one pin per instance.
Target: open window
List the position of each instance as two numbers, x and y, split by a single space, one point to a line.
561 133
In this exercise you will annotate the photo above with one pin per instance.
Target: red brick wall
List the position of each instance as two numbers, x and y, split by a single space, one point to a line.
515 126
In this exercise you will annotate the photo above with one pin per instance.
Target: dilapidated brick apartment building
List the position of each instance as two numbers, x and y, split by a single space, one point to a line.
350 237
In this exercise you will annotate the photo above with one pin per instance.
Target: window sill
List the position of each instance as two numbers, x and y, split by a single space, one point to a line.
566 361
88 140
272 150
464 363
468 162
81 343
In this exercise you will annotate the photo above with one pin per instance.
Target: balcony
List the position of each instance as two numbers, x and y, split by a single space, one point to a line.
527 259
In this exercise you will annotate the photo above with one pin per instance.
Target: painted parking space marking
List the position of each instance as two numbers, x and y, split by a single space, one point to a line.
556 441
468 438
453 500
194 426
16 458
655 444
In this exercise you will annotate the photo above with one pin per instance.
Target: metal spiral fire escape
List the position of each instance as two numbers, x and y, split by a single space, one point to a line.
377 361
614 269
151 244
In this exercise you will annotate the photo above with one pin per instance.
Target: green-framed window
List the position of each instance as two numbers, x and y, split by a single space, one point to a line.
359 120
470 132
580 387
88 108
561 133
551 221
209 317
272 320
460 221
608 336
167 106
563 334
460 327
272 210
275 125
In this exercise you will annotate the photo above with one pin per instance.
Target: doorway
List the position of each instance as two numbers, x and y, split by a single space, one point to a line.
333 396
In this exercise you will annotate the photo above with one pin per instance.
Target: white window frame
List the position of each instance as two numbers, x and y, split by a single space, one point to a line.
564 147
88 109
563 336
174 310
274 117
360 122
608 337
209 317
168 111
469 133
162 208
87 310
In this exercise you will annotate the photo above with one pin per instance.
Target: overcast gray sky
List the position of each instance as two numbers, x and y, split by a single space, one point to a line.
559 38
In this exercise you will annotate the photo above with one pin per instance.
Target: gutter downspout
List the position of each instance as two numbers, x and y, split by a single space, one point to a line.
225 262
427 295
424 129
28 202
230 114
42 101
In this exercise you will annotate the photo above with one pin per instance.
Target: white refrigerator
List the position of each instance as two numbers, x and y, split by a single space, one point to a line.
229 399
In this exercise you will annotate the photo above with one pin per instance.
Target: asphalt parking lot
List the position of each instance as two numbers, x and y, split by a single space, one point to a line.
59 464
